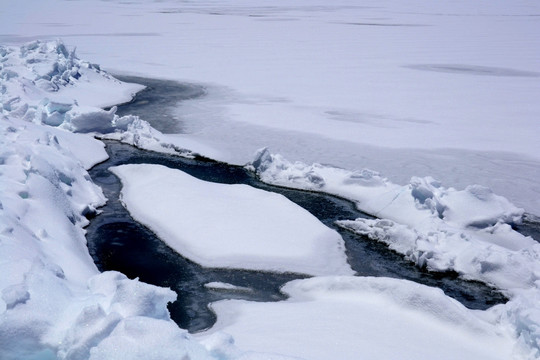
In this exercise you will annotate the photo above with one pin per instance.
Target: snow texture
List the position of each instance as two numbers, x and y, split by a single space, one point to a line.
417 88
372 318
442 229
234 226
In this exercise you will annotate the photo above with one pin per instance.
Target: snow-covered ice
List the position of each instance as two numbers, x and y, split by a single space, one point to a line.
412 90
361 317
54 304
468 231
234 226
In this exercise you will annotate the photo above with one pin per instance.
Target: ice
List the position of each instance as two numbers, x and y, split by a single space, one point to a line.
440 228
349 78
54 304
235 226
135 338
417 91
468 231
374 318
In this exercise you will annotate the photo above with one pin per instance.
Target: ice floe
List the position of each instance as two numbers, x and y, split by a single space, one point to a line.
362 317
235 226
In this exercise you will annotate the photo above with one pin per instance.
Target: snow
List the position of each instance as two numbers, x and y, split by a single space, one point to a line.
372 318
408 89
440 228
234 226
54 304
418 91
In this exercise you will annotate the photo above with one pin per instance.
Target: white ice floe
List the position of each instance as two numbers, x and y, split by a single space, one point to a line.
359 317
234 226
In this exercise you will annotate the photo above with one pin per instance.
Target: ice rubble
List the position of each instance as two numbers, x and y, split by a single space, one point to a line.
443 229
233 226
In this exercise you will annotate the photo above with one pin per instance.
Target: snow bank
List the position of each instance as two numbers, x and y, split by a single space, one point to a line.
362 317
235 226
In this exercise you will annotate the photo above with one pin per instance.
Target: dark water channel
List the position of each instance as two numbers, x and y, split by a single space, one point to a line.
117 242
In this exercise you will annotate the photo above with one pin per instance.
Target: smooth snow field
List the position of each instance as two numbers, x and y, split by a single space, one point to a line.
357 147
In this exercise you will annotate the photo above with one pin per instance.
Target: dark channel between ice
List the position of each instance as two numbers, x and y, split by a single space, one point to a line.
117 242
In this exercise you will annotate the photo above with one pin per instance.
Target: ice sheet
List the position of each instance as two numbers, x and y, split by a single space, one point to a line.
443 89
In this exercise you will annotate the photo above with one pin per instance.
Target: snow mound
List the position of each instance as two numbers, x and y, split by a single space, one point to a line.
218 225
